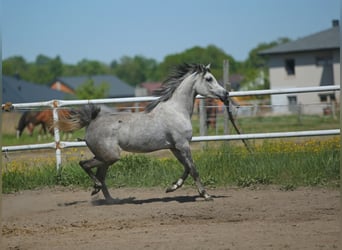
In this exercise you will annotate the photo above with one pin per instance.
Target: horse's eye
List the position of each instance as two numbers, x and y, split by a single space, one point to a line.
209 79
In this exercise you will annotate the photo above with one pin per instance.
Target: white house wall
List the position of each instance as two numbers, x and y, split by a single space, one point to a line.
307 74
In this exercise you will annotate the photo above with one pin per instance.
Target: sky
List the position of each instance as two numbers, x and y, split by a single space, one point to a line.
107 30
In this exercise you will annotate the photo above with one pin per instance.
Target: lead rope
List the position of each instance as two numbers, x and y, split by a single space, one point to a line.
231 118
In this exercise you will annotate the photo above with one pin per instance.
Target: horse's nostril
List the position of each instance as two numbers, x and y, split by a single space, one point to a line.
227 95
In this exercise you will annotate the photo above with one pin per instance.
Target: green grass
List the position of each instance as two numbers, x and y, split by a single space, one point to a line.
13 181
297 166
288 164
265 124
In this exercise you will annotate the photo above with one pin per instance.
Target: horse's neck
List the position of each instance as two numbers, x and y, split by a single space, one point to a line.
184 97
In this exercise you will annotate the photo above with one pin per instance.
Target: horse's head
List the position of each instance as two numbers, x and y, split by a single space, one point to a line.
207 85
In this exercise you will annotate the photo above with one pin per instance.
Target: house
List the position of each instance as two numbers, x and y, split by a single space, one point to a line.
147 88
235 81
117 88
16 90
311 61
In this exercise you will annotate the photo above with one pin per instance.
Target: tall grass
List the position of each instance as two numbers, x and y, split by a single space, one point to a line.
286 163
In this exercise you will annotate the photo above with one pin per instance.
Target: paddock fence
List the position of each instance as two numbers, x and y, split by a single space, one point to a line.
58 145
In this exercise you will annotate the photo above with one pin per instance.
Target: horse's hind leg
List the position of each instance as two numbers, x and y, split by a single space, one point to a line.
87 165
101 176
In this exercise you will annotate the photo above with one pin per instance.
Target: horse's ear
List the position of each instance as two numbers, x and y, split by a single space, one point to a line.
208 66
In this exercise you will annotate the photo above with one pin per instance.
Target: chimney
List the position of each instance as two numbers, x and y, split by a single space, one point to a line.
335 23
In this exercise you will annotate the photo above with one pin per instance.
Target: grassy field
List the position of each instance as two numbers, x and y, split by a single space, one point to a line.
287 162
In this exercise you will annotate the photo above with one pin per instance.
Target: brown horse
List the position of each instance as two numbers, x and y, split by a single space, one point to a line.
32 119
211 110
28 120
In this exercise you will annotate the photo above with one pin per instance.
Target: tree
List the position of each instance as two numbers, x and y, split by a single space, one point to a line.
209 55
14 65
138 69
56 67
135 70
39 71
42 60
88 90
91 67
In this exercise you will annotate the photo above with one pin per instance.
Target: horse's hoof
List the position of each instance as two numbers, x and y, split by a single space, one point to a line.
208 198
97 189
169 190
175 186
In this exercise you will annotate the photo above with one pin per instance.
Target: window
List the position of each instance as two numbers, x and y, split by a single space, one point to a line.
290 66
292 103
327 97
325 63
323 60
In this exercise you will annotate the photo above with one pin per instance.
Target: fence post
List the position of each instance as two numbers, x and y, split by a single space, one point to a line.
299 112
227 86
333 110
203 119
136 107
56 136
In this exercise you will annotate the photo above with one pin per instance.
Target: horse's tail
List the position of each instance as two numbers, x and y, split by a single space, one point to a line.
77 119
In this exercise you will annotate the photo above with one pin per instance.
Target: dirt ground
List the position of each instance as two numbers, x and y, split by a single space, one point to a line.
263 218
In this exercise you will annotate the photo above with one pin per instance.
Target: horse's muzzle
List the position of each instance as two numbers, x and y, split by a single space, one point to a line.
224 97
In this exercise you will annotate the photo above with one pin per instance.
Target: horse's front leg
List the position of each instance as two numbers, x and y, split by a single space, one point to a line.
177 184
30 128
184 157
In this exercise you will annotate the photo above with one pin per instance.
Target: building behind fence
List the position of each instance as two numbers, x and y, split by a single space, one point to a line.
312 60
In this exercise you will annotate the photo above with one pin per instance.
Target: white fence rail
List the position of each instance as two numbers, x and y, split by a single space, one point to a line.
62 103
68 144
58 145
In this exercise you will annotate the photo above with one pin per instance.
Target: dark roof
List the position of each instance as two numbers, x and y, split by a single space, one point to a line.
15 90
324 40
118 88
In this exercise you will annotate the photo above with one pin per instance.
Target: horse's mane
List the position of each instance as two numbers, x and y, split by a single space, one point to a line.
177 75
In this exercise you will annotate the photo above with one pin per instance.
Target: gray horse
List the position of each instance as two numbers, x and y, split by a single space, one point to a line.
165 124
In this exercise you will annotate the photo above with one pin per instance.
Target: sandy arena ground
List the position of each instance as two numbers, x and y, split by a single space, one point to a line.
264 218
